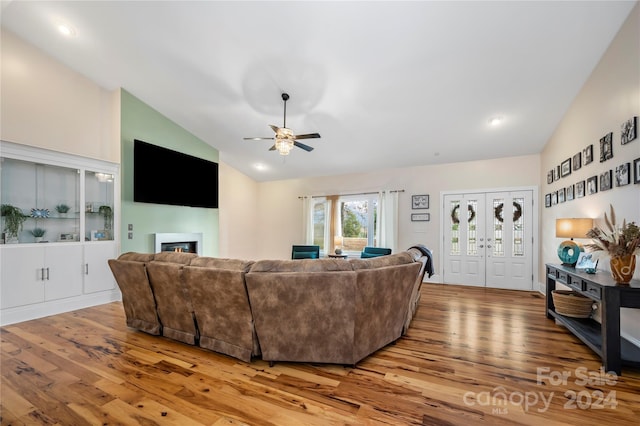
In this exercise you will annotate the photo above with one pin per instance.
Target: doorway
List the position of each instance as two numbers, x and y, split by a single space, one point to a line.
488 239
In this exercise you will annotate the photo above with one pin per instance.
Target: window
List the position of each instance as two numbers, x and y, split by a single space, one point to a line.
352 219
320 222
357 222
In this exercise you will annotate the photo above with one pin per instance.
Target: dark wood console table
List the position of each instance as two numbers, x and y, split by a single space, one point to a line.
604 339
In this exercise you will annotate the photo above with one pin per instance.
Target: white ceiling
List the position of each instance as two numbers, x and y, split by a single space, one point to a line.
386 84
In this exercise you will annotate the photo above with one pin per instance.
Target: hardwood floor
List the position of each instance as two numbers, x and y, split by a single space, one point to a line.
471 356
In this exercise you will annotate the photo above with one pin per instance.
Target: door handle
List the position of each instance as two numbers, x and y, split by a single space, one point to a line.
41 274
86 269
47 274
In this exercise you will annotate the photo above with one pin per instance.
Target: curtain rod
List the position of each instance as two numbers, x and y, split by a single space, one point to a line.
348 195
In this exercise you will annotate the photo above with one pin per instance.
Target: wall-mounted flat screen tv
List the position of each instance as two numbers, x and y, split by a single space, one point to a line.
164 176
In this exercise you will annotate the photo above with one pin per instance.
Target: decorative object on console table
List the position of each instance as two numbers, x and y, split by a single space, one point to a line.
337 243
621 244
569 250
572 304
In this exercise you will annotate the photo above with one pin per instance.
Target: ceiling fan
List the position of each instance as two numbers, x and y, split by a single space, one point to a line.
284 138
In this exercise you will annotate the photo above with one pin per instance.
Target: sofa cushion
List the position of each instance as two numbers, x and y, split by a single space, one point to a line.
381 261
222 263
175 257
302 265
136 257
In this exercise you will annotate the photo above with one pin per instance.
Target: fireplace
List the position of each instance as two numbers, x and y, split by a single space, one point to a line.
187 243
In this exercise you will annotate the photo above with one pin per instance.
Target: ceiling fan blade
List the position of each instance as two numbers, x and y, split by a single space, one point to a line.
274 128
273 148
257 139
303 146
307 136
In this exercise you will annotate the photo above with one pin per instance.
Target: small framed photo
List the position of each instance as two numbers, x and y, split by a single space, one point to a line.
628 130
636 170
561 195
569 193
587 155
550 176
623 175
565 168
547 200
419 201
420 217
554 198
67 237
586 262
580 189
605 180
606 147
592 185
556 173
577 161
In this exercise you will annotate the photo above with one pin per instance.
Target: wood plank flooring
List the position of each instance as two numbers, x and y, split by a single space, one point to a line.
470 357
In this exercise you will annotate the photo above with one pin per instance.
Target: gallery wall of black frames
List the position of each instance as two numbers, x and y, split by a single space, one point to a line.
623 174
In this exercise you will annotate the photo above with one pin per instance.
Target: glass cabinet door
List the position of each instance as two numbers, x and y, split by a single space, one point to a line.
47 196
98 209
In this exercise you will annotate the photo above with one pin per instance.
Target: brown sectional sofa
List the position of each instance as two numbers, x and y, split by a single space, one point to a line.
320 310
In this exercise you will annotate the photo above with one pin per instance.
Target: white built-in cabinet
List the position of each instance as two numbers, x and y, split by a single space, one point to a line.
66 269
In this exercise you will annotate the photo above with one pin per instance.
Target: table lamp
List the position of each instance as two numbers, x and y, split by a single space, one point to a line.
569 250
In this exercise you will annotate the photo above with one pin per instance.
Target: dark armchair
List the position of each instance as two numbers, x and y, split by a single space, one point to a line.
305 252
374 252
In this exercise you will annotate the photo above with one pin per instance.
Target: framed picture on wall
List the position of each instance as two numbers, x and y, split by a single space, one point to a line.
628 130
420 217
577 161
636 170
580 189
606 147
547 200
561 195
605 180
554 198
587 155
565 168
550 176
569 193
623 175
592 185
419 202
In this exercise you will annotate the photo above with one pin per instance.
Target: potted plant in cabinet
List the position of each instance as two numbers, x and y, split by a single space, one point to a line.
38 233
13 220
62 209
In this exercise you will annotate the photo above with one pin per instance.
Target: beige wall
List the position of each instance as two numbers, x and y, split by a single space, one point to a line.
278 211
47 105
609 97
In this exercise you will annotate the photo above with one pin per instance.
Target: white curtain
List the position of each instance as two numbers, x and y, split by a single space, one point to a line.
387 226
307 219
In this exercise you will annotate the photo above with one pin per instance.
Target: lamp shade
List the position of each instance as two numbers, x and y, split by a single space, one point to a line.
573 227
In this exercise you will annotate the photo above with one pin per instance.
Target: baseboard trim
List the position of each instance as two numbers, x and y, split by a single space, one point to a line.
38 310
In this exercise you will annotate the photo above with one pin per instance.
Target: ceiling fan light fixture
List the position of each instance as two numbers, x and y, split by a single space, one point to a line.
284 146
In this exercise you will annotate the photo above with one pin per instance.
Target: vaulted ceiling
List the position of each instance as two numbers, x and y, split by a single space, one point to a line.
386 84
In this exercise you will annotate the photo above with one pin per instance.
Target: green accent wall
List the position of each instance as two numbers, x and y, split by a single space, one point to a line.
139 121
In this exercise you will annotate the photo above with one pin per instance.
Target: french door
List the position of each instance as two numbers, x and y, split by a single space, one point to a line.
488 239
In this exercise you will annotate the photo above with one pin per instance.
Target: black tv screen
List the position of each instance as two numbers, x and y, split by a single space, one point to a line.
164 176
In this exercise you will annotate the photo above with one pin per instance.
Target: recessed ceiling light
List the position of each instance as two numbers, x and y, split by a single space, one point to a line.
260 166
494 121
66 29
